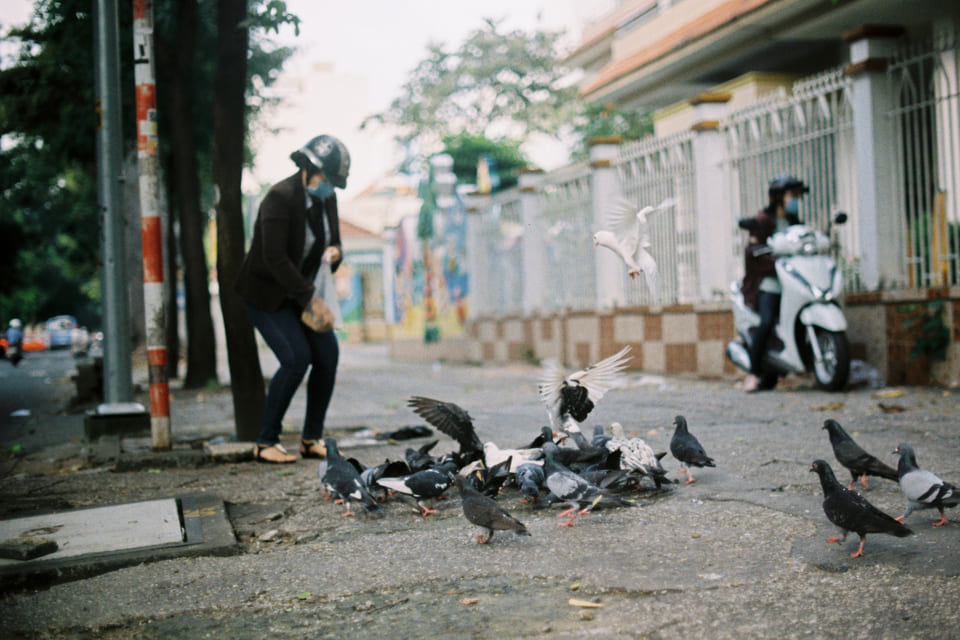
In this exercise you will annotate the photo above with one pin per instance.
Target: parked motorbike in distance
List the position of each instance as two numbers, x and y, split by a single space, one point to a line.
14 353
810 334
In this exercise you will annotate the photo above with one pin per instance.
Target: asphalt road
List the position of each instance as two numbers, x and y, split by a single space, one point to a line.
741 553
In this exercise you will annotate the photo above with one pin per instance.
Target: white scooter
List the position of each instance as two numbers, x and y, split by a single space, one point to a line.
810 334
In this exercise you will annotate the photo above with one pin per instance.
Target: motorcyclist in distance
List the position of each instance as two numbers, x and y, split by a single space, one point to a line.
761 288
14 336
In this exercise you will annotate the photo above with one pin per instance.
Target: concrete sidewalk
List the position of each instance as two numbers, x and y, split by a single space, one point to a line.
738 554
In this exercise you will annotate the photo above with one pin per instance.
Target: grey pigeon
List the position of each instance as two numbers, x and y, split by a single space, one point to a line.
687 449
530 479
420 459
851 512
572 489
453 421
576 394
848 453
422 485
343 481
484 511
923 489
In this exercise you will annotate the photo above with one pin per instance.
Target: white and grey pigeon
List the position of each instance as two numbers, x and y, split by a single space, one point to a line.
343 480
573 489
494 455
922 488
636 455
627 234
575 395
422 485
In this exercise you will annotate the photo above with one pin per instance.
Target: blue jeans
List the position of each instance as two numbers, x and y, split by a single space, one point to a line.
768 306
297 347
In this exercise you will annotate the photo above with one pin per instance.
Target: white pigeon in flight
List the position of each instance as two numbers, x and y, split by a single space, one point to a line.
628 235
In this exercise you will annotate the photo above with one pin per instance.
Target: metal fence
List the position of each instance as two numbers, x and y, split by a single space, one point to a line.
808 134
498 283
926 119
662 171
566 203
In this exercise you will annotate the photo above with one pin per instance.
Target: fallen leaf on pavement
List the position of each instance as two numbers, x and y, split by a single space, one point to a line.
891 408
833 406
469 601
892 393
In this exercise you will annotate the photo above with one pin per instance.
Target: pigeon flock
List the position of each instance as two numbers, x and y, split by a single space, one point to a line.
559 466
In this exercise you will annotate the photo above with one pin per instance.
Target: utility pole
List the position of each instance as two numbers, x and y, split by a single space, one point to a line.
151 224
117 383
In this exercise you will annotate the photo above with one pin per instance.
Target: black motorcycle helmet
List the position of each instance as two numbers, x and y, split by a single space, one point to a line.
783 183
324 154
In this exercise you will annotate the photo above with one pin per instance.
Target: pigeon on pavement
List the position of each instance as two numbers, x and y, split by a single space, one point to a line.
575 395
484 511
851 512
420 459
572 489
453 421
687 449
422 485
628 235
493 455
343 481
530 479
848 453
923 489
636 455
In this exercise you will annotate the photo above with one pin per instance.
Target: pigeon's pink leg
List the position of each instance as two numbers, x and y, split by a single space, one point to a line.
569 523
346 513
425 510
482 540
863 481
566 512
900 518
942 521
833 540
859 552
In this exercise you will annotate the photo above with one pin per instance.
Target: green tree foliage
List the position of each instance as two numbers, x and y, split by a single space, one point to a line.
49 217
467 149
494 83
600 120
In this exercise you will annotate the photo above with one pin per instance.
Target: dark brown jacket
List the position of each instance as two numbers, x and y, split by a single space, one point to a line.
756 268
271 271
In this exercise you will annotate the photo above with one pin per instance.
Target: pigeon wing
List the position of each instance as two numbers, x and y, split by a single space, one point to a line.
602 376
448 418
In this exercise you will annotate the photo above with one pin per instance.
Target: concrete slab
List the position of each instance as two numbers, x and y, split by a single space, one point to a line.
96 540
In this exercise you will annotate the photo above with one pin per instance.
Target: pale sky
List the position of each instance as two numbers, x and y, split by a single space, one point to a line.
361 52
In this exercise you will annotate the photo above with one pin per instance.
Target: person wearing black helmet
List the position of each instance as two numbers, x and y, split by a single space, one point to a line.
761 288
297 228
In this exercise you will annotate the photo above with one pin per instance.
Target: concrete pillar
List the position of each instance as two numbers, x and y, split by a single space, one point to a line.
709 152
604 190
881 225
388 268
534 243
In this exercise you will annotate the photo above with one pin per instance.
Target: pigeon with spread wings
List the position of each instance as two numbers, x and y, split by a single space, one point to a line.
575 395
628 235
453 421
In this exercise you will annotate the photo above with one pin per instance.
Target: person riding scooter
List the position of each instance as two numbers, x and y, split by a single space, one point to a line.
14 336
761 289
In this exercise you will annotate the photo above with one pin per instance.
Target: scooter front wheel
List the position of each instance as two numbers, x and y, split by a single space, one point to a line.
833 367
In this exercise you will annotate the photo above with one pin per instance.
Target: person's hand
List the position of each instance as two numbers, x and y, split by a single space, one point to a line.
331 254
317 315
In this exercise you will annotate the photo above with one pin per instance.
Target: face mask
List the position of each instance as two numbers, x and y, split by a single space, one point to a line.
791 205
322 191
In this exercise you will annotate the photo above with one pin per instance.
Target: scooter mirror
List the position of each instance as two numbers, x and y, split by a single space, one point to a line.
840 218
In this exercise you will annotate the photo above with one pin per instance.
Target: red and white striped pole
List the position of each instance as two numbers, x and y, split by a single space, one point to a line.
151 223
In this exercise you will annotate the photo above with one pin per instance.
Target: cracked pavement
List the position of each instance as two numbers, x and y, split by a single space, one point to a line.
741 553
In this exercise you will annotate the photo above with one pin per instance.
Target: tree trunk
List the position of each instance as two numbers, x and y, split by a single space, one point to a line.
201 343
229 130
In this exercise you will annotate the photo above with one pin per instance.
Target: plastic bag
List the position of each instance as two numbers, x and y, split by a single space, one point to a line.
326 289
